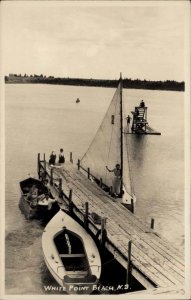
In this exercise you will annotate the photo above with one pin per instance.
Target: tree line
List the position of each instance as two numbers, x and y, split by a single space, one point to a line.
129 83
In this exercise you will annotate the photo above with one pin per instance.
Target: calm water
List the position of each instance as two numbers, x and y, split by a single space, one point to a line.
42 118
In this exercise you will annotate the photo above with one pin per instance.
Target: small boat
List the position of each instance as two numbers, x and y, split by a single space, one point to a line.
40 205
71 255
77 100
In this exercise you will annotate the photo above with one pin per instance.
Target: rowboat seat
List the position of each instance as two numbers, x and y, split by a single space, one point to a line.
72 255
26 190
86 279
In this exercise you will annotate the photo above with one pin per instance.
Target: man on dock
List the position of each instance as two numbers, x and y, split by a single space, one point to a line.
128 118
142 104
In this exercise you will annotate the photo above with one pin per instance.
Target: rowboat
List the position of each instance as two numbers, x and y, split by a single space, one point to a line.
39 206
71 255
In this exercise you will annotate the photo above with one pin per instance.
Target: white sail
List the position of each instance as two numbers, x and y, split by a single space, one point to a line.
108 148
105 147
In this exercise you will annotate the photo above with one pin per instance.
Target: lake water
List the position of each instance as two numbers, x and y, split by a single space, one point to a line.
42 118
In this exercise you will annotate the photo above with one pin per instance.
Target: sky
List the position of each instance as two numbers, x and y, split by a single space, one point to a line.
94 39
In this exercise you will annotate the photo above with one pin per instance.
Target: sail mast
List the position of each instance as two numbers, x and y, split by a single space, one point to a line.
121 119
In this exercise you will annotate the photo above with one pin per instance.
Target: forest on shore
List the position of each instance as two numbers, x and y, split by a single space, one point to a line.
129 83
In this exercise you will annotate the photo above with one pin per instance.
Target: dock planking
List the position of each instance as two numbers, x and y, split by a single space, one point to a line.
149 131
155 263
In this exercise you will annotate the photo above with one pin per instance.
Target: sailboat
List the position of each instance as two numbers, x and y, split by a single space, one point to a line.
109 148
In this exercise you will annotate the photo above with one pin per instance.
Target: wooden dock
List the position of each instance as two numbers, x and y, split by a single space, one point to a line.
153 261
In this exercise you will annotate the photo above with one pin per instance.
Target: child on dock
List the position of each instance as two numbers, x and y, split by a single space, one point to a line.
61 159
52 159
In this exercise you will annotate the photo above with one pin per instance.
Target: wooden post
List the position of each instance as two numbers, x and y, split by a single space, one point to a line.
38 165
70 201
44 164
71 158
88 173
86 216
100 183
132 206
111 190
60 188
152 223
128 277
51 176
103 232
78 164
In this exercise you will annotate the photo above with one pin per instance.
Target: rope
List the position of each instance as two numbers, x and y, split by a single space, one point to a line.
111 135
107 262
129 164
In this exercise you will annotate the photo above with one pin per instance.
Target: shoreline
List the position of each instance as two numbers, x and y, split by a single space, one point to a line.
127 83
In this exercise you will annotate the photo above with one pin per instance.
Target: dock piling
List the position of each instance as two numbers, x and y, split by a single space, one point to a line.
111 190
51 176
86 215
100 182
71 158
132 206
70 201
44 160
103 232
38 165
78 164
60 188
128 278
88 173
152 223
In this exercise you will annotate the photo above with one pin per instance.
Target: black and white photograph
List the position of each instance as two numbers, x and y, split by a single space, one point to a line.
95 149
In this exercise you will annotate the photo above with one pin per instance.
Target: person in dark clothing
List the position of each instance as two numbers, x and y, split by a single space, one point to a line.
61 159
142 104
52 159
128 120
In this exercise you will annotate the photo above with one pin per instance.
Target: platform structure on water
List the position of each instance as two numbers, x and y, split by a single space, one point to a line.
140 123
144 254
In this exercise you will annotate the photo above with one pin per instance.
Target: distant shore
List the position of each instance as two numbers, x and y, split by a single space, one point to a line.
168 85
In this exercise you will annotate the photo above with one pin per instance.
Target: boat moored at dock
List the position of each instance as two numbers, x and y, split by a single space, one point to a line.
36 200
71 255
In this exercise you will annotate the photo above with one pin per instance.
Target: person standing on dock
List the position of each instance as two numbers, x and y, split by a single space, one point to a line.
116 180
128 122
61 159
52 159
142 104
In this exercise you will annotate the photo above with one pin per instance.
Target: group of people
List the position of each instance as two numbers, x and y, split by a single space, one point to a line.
34 197
61 158
128 118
